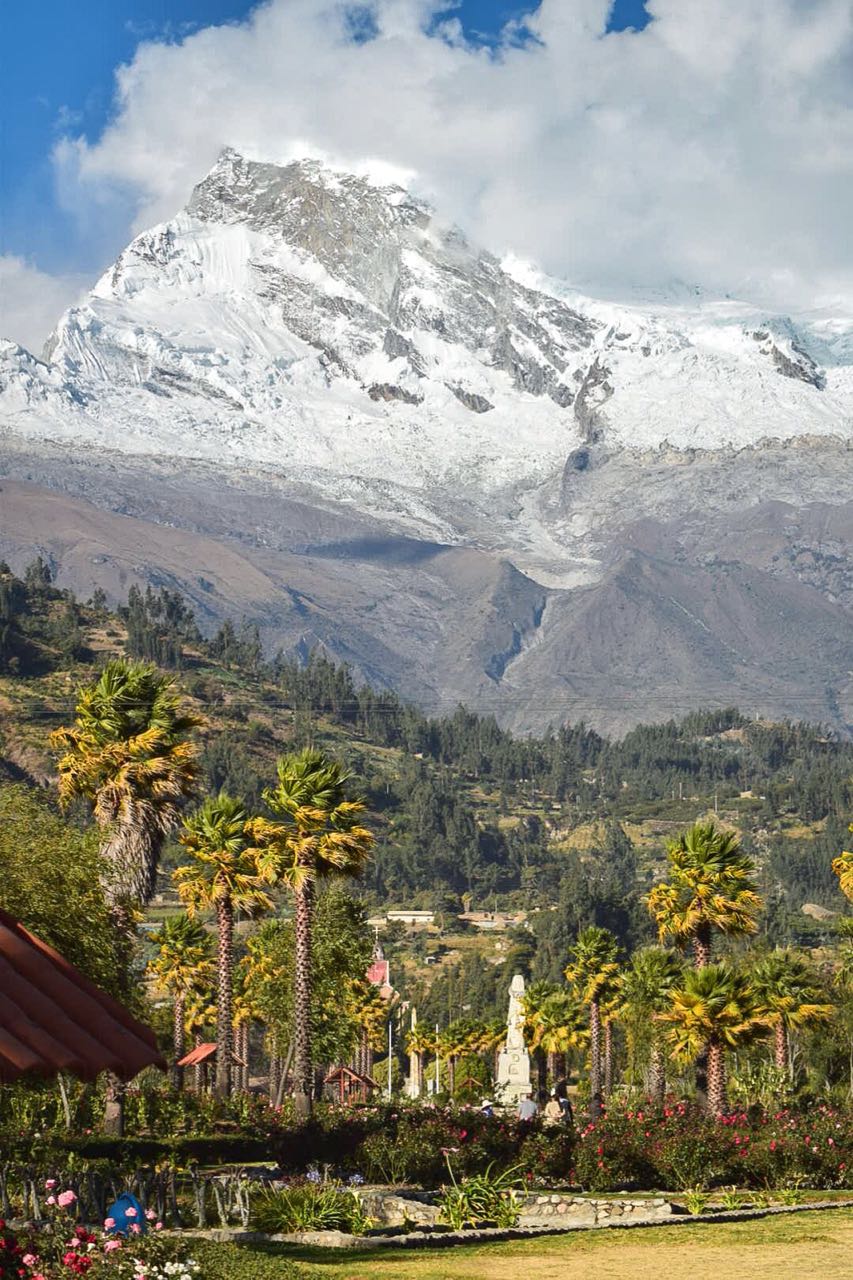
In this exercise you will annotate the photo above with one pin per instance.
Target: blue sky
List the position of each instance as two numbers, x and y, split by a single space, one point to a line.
56 78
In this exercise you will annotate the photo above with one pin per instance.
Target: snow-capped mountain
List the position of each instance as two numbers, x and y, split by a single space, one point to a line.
324 337
309 321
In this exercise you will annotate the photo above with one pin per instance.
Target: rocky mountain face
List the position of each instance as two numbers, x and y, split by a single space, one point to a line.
306 400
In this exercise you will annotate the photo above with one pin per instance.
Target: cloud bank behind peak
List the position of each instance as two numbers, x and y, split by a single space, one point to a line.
715 146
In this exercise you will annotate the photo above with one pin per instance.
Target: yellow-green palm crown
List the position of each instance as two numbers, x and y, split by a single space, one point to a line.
710 886
223 866
319 832
557 1024
787 991
593 968
714 1003
129 741
184 959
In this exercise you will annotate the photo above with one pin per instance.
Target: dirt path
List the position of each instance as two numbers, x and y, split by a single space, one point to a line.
795 1248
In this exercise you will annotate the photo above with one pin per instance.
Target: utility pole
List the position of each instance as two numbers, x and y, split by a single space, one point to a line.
390 1046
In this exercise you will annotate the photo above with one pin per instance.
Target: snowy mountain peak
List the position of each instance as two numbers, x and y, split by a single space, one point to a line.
329 327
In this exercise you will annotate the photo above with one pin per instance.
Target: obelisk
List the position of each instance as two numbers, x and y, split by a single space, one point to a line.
513 1080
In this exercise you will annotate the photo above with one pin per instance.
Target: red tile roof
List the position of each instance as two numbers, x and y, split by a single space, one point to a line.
199 1054
54 1019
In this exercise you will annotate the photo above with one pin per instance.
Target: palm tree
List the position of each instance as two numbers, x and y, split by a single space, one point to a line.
182 966
370 1013
788 996
609 1013
199 1019
711 1011
843 868
129 754
557 1028
319 834
223 876
591 969
645 993
420 1041
710 887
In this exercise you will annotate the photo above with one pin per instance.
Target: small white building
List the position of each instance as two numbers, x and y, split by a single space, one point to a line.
407 916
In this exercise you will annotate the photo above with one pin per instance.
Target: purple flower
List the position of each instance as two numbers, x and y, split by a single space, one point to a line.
355 1180
313 1175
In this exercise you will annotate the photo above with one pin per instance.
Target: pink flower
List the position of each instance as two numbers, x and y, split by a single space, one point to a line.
109 1223
29 1259
109 1245
50 1183
135 1228
158 1226
65 1198
50 1200
130 1213
150 1215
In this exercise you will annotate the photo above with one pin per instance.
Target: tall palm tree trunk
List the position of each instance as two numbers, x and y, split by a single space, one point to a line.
247 1049
275 1069
716 1078
241 1053
179 1041
702 946
608 1057
594 1060
553 1066
657 1074
225 926
541 1071
451 1074
198 1069
302 1001
780 1046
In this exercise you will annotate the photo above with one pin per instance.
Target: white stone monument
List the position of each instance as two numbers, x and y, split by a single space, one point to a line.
513 1080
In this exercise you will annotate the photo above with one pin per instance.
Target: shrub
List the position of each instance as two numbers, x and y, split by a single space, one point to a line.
309 1206
484 1197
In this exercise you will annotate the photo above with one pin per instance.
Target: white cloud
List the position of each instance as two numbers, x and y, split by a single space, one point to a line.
715 146
31 301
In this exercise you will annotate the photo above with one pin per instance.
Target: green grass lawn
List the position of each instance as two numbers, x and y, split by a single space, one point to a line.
782 1248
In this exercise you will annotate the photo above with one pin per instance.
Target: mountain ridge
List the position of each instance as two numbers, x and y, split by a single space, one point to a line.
312 366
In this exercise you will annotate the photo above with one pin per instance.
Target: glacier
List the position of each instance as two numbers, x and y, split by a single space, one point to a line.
320 335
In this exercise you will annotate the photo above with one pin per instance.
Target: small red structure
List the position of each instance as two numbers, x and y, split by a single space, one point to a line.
352 1085
201 1053
54 1019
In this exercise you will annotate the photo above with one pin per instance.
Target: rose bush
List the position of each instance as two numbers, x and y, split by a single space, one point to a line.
61 1248
679 1147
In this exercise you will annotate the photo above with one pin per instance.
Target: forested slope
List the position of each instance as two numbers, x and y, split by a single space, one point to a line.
568 827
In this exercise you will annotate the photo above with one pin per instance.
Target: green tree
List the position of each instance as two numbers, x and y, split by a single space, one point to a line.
319 834
340 955
711 887
591 970
711 1012
51 882
788 996
646 988
129 754
181 967
223 876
